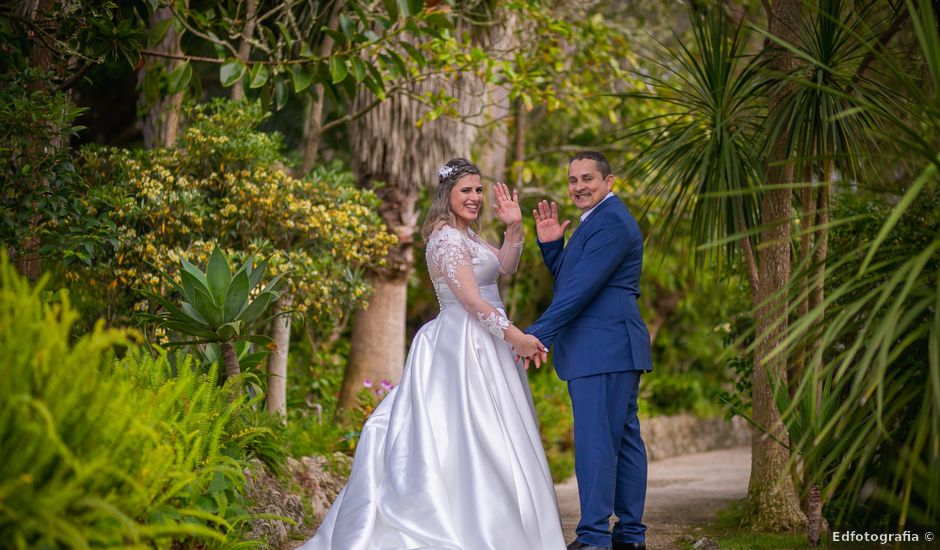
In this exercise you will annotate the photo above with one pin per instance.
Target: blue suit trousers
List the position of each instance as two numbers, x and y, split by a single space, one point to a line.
608 446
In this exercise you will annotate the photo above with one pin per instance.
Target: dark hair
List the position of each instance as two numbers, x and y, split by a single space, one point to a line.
440 213
603 165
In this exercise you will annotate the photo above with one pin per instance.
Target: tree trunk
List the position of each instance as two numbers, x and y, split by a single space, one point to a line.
377 349
813 515
666 304
812 505
818 293
276 398
519 146
772 499
773 504
312 133
40 56
314 123
27 261
230 360
162 119
494 143
807 220
378 338
244 48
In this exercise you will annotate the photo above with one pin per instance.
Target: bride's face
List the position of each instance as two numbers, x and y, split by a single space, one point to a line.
466 198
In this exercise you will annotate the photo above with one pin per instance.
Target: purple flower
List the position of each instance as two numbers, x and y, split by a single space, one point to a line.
367 383
378 391
387 385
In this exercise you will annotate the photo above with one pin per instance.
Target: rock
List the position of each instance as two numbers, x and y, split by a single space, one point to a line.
316 478
270 495
321 480
705 543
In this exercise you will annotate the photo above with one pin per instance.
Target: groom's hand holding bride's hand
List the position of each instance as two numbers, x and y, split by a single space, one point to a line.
546 222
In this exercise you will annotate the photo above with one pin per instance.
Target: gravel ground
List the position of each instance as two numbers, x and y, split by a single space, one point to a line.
684 492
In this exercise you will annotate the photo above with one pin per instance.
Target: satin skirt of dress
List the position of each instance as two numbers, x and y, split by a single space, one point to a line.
451 459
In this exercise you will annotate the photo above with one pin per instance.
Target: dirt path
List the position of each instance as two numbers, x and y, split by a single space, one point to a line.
683 492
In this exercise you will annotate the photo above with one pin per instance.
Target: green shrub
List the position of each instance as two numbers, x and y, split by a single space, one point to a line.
870 434
556 423
225 185
100 451
666 393
42 206
326 430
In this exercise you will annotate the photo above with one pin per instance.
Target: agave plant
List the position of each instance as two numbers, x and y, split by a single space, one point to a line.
215 306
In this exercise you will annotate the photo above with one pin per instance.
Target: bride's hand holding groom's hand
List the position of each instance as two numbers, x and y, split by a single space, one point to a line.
527 347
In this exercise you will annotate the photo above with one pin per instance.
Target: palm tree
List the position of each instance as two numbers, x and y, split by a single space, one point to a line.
827 138
708 163
704 164
875 338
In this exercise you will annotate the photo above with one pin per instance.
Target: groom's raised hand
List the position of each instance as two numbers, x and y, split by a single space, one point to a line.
546 222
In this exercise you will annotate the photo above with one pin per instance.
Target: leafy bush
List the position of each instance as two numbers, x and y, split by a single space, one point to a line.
224 184
42 206
667 393
330 430
556 423
99 451
315 372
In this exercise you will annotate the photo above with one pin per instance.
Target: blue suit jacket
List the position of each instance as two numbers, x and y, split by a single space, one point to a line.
593 320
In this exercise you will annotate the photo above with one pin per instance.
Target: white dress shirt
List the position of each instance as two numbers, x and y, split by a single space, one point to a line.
588 213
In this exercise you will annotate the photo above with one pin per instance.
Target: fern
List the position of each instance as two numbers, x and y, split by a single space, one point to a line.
104 444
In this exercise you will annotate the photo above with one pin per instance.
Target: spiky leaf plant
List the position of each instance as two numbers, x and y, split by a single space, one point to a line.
216 307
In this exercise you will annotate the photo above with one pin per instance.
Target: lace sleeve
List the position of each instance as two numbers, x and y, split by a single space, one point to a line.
509 253
450 258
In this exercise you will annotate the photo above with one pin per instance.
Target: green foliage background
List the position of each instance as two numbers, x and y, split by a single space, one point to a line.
108 444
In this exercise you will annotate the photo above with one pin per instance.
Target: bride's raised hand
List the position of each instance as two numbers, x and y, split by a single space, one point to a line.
546 222
506 204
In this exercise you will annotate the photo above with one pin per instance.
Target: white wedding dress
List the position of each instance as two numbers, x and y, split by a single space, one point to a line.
451 459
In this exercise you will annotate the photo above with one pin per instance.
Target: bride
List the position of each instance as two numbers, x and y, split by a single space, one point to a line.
451 459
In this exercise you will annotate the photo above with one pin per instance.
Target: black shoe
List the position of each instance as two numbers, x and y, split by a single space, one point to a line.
578 545
629 545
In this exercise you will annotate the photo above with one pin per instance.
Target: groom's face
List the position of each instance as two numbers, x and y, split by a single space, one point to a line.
586 186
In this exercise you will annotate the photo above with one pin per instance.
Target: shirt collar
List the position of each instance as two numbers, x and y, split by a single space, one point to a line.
588 213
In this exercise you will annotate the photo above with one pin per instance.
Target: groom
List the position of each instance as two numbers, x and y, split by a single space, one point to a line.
601 348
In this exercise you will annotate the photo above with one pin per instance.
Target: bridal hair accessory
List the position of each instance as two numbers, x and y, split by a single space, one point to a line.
445 172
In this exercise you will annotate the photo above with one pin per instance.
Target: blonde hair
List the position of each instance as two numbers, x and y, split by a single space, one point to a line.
440 213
